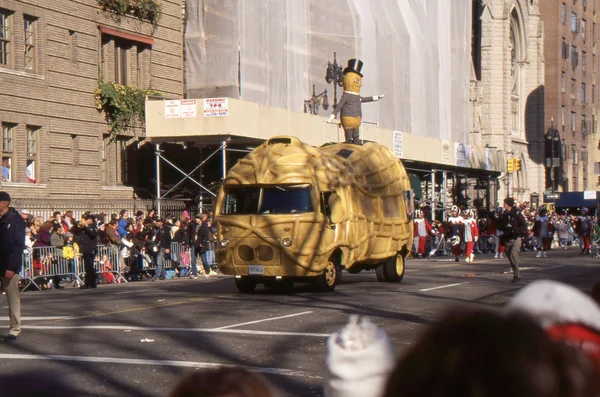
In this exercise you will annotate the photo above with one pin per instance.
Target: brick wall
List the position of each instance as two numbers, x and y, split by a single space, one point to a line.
58 95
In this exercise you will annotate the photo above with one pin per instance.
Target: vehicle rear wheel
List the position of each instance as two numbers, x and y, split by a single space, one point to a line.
327 281
380 272
245 285
394 268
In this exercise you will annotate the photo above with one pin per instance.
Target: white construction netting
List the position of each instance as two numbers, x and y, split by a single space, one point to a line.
272 52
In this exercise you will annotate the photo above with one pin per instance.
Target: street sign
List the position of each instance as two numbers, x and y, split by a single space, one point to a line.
551 196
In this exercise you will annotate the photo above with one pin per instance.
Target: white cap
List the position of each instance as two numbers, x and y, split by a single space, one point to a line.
24 212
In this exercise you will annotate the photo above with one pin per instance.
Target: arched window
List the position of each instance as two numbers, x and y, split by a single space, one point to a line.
516 47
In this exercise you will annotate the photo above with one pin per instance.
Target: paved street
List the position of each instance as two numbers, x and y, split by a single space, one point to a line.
137 339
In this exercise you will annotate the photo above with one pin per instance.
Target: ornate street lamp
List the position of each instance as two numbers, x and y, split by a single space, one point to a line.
334 75
553 152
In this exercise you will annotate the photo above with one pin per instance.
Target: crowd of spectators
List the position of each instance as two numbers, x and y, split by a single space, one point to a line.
138 247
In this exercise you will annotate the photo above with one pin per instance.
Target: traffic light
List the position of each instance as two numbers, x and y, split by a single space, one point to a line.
510 165
517 164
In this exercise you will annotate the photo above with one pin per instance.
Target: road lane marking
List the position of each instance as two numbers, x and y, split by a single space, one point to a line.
263 320
132 292
38 318
136 309
169 363
552 267
165 329
443 286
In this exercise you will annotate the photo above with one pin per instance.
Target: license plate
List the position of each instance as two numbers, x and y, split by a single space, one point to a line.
256 270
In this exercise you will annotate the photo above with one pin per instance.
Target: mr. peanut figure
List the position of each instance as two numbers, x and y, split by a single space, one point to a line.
350 103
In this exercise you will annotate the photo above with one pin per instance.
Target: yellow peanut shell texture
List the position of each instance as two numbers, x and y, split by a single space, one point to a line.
374 198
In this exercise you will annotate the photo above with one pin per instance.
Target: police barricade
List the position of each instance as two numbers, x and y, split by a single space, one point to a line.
486 244
26 275
109 261
48 262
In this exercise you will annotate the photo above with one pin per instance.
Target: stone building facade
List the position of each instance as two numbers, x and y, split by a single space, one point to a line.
507 89
53 55
571 91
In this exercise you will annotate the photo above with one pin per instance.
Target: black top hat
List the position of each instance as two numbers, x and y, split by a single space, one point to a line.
354 65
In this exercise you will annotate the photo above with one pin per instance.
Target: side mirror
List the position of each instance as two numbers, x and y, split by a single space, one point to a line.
336 208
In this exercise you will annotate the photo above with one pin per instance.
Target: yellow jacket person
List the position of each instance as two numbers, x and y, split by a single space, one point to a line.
350 103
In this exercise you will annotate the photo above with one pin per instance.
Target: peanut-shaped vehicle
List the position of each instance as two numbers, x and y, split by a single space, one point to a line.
291 212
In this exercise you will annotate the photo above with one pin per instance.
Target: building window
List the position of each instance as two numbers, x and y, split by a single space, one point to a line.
122 61
583 60
573 22
562 82
582 92
583 29
104 158
565 49
562 116
7 151
583 125
29 41
122 163
4 37
584 3
573 84
31 172
573 122
593 93
563 14
574 56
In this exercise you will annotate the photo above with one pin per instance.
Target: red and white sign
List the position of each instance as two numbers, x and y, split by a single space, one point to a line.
188 108
172 109
216 107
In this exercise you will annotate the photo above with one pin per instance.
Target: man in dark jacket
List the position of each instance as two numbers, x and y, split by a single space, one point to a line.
163 239
202 243
12 243
513 225
88 243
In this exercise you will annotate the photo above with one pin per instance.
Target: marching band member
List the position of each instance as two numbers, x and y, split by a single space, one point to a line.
422 229
469 234
453 226
543 230
583 228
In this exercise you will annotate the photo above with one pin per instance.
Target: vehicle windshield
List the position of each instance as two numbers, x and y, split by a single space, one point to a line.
275 199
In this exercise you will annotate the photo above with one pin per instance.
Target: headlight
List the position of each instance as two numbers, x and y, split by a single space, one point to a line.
286 242
224 242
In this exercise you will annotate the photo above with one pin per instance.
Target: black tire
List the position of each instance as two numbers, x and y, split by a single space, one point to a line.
394 268
327 281
245 285
380 272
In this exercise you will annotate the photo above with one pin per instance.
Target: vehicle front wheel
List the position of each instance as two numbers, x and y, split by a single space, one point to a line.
327 281
245 285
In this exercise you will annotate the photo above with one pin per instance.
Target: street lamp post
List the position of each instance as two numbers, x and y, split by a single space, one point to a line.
335 75
552 152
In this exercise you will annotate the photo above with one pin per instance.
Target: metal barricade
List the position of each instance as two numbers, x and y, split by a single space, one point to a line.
50 262
26 274
108 260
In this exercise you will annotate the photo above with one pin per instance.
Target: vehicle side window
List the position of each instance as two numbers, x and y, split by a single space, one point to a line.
325 203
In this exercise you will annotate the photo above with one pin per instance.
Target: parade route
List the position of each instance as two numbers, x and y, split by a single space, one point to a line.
138 339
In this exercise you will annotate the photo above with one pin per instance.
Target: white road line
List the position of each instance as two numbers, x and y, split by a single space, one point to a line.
133 292
443 286
158 329
41 318
263 320
170 363
548 268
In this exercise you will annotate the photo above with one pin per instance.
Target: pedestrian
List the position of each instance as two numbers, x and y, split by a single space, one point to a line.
543 230
162 239
452 228
422 229
88 242
583 227
12 244
513 225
